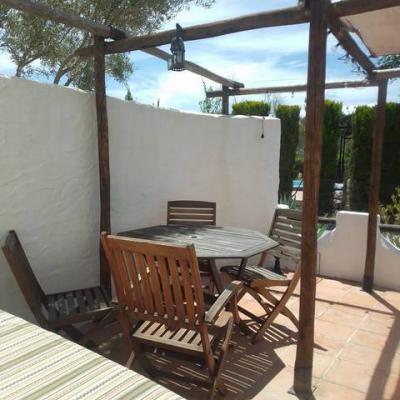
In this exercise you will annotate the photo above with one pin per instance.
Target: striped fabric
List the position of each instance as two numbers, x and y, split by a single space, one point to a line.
37 364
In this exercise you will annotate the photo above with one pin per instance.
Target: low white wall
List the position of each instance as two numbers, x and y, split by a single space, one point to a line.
342 252
49 176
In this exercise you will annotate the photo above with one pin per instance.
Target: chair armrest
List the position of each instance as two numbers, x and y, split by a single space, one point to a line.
223 299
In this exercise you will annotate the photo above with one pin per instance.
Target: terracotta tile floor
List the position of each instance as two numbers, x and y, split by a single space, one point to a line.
357 350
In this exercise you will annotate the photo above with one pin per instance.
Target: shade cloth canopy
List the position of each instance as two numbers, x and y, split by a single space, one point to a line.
379 30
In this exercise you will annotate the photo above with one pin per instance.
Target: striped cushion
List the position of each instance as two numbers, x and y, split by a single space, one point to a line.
37 364
253 273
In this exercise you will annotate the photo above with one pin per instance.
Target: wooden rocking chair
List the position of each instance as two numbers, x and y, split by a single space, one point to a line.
58 311
258 280
162 306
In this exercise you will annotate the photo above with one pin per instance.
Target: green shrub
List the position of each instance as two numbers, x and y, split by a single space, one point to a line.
251 108
330 144
390 214
289 116
360 165
390 177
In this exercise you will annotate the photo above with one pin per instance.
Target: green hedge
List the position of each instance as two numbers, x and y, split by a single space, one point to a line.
360 165
289 116
390 178
251 108
330 143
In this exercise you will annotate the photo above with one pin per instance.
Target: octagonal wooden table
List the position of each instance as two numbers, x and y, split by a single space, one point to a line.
210 242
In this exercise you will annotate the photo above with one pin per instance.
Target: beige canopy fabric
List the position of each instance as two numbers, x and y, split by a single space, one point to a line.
379 30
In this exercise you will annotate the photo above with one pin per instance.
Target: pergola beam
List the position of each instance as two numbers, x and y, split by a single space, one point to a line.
196 69
349 45
290 89
281 17
46 12
352 7
385 74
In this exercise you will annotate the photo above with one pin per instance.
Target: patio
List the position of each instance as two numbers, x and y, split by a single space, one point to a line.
356 352
353 351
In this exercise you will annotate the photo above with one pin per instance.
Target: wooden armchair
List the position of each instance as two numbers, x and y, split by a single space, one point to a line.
162 305
258 280
58 311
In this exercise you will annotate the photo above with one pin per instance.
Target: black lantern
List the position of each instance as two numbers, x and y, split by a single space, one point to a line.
177 60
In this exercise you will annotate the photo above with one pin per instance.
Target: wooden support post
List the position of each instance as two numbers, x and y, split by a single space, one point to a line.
225 100
373 201
312 165
103 149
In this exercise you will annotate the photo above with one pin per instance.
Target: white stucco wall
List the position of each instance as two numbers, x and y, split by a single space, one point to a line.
342 252
49 177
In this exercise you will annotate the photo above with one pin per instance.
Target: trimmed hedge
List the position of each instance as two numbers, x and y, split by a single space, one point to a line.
251 108
289 116
360 166
330 145
390 178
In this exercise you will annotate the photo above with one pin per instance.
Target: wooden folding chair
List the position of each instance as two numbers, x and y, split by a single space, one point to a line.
191 212
258 280
58 311
162 305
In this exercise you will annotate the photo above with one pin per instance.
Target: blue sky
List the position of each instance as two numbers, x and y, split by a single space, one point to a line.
263 57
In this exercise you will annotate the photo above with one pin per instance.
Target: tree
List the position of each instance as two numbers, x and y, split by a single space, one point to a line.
46 48
290 124
392 61
210 106
128 96
330 145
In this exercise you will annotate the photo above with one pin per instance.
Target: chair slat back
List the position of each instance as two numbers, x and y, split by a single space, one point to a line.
155 281
286 230
24 275
190 212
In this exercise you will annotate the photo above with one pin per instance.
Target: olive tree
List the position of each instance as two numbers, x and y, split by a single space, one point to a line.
47 48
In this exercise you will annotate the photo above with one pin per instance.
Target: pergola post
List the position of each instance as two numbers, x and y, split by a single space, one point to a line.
312 165
375 180
103 150
225 100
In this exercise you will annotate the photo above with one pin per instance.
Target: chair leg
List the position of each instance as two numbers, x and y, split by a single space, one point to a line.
141 357
275 312
97 324
217 384
285 311
74 333
277 266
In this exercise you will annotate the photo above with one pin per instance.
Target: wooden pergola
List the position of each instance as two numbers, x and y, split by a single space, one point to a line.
321 16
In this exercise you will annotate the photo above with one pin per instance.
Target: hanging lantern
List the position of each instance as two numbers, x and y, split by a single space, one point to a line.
177 60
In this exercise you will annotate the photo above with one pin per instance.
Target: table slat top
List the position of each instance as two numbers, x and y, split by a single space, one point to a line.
209 241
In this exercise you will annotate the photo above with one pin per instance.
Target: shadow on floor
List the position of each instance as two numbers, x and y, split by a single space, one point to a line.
248 369
376 389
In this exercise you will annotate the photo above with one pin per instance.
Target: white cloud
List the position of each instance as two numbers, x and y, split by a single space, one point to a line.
7 65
